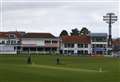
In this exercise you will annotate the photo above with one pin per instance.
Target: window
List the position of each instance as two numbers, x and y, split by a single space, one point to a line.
80 51
86 45
3 42
85 52
72 45
99 39
69 45
98 45
54 41
80 45
13 42
12 36
8 42
70 52
93 46
65 51
47 41
18 42
65 45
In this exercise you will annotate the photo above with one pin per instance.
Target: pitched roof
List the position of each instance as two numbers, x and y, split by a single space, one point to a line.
116 42
76 39
6 34
38 35
99 34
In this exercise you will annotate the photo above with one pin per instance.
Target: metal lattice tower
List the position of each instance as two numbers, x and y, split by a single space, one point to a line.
110 18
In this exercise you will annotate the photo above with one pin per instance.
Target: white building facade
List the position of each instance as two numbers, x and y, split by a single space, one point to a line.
99 43
75 45
9 42
39 43
21 42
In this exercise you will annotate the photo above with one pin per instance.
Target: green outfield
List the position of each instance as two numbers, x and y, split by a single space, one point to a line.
70 69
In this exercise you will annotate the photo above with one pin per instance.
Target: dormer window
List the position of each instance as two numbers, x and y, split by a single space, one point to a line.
12 36
54 41
47 41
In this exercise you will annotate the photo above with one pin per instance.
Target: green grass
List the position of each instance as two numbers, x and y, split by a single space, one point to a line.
71 69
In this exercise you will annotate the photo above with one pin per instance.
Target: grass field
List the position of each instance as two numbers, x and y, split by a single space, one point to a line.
71 69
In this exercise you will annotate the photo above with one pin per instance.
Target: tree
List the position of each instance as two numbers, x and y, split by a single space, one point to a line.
75 32
84 31
63 33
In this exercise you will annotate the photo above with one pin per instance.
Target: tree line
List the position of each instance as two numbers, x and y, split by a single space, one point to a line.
75 32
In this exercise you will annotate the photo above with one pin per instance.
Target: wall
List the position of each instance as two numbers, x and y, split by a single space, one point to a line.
75 49
38 42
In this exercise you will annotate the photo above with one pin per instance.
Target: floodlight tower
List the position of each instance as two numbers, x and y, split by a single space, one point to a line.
110 18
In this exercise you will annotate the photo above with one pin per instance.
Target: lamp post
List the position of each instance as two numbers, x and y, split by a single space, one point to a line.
110 18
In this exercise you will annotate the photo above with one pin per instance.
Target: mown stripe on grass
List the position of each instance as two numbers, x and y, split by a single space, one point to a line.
62 68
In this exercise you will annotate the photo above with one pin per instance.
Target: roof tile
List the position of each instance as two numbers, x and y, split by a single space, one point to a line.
39 35
76 39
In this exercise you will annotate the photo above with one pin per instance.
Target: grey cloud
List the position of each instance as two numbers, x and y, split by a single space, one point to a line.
54 17
36 0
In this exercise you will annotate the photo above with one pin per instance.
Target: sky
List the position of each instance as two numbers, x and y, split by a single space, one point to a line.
56 15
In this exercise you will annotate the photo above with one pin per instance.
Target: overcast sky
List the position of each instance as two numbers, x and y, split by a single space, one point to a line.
55 15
